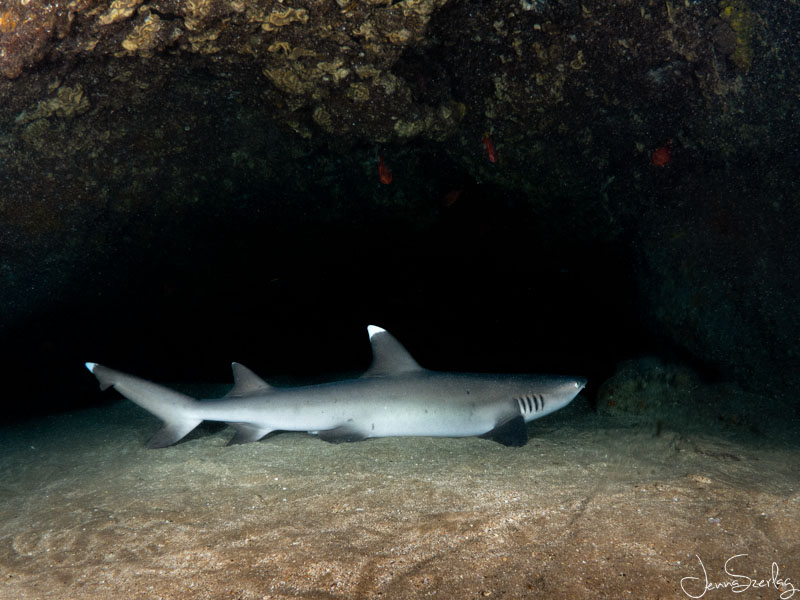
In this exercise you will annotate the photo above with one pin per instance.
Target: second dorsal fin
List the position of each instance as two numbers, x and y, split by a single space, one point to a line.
246 383
389 357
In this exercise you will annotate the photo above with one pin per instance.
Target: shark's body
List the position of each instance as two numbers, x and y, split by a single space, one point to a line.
395 397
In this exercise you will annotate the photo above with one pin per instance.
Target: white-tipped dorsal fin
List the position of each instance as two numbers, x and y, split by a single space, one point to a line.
246 383
389 357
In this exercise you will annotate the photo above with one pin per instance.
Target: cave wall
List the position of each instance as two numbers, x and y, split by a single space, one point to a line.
136 132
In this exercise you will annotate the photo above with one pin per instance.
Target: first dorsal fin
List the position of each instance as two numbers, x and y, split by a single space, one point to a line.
246 383
389 357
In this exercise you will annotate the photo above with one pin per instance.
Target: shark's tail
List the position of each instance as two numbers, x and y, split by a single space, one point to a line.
179 412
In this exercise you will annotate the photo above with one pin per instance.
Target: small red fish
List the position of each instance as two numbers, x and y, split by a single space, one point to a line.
661 157
384 172
491 151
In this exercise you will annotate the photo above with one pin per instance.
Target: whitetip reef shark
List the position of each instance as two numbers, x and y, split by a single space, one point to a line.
394 397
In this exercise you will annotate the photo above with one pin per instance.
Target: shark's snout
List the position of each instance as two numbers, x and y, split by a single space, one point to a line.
571 388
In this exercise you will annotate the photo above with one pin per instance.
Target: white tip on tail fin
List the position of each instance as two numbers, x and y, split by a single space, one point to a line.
177 411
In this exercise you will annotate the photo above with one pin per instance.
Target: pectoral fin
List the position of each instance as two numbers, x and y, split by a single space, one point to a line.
511 432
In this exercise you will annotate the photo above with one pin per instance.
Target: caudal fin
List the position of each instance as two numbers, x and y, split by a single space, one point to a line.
179 412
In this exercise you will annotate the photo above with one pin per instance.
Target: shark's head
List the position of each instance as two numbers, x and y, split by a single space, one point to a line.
546 394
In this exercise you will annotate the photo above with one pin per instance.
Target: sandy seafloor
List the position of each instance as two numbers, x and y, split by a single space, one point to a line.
612 504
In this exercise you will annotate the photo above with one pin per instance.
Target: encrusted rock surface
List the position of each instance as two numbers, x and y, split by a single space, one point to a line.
108 108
